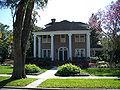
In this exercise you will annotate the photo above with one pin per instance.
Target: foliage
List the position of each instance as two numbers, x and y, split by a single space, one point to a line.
106 22
94 37
5 41
106 48
102 71
117 51
81 83
6 69
32 68
6 81
67 70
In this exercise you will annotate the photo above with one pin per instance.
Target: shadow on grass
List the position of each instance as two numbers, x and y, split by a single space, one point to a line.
5 82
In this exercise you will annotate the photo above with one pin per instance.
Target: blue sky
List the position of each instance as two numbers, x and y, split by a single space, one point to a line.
5 17
72 10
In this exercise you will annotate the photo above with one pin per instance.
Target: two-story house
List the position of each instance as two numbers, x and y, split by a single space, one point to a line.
62 41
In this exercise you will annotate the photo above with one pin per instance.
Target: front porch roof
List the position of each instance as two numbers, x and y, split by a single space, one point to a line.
62 32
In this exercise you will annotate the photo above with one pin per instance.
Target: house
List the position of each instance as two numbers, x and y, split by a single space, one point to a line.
62 41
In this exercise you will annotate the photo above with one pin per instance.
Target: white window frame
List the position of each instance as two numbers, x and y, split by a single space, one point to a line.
79 37
47 51
78 51
47 39
63 38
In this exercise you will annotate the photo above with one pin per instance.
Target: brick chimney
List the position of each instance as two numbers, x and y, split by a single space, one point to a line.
53 20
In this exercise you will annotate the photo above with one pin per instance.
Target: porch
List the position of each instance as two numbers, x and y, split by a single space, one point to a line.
60 51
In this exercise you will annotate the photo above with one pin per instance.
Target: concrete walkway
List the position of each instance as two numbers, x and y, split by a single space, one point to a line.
42 77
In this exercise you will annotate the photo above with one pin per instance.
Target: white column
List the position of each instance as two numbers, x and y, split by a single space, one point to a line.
52 47
88 44
39 47
34 45
70 47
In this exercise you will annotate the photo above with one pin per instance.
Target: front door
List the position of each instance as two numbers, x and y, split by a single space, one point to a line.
65 55
62 53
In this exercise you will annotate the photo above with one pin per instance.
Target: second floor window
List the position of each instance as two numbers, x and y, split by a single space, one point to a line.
46 39
79 38
62 38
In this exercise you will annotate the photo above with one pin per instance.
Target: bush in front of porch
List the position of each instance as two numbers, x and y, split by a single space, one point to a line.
68 70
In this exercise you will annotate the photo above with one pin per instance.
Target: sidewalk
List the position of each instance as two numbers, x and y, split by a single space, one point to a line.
42 77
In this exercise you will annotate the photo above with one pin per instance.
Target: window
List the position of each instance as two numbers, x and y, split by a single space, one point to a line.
46 53
82 38
79 52
76 38
62 38
46 39
79 38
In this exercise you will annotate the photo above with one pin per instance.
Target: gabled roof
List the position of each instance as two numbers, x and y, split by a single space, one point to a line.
66 25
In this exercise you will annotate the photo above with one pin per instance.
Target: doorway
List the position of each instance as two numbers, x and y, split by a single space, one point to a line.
63 53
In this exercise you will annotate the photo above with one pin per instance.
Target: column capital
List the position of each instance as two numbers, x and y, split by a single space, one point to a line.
34 35
51 35
88 34
38 37
70 34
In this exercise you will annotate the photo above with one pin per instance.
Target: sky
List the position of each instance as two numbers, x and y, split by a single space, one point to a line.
71 10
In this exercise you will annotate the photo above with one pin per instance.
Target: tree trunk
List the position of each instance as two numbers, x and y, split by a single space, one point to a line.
21 34
26 31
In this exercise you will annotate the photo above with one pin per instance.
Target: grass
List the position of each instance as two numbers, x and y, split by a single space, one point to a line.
5 81
9 69
6 69
102 71
81 83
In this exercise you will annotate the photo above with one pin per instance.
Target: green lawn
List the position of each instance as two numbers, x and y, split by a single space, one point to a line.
81 83
9 69
102 71
5 81
5 70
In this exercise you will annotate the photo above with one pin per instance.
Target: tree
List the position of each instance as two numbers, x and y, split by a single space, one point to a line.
107 22
4 41
94 37
22 24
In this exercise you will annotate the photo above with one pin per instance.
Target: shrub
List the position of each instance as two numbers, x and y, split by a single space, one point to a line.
68 70
103 71
32 68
